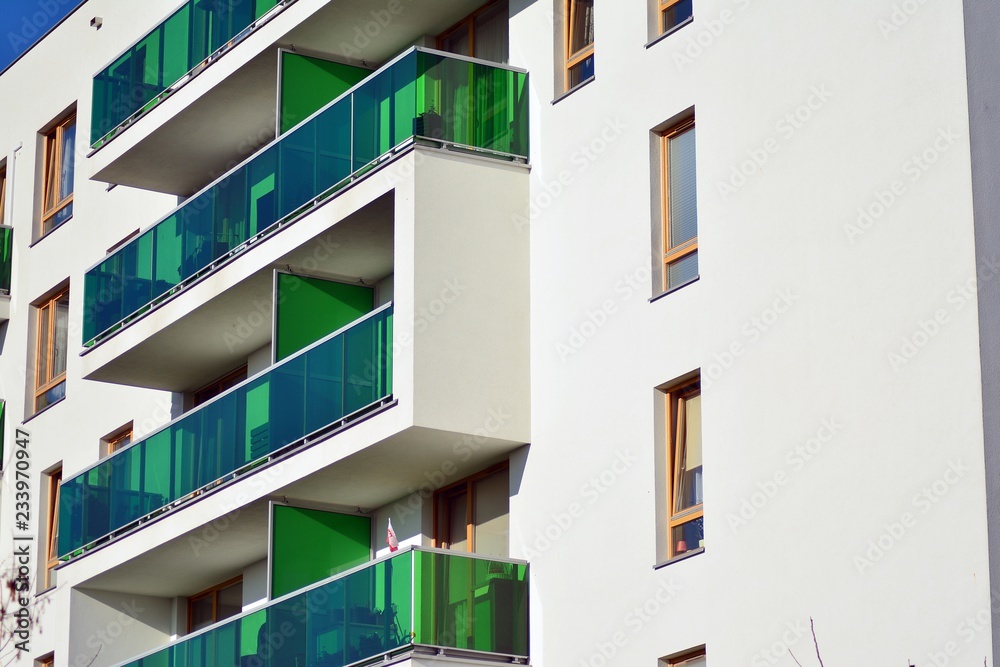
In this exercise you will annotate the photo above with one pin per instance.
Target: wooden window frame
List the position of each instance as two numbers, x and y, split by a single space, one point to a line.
52 525
242 372
44 385
573 59
678 518
50 173
3 193
214 592
678 660
664 6
468 22
440 533
111 443
671 253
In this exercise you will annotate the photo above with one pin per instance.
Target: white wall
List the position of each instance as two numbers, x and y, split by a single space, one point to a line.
109 628
599 347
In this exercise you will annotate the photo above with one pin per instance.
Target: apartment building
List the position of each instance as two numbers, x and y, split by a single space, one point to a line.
467 332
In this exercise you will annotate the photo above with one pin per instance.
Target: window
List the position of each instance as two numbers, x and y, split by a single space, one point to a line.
116 440
579 42
217 386
685 513
3 192
216 604
473 515
690 659
57 184
50 357
674 13
48 661
52 527
680 206
482 34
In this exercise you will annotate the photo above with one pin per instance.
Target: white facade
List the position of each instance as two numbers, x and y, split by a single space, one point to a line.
840 321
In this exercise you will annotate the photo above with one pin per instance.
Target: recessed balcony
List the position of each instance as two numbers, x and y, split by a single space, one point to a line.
307 395
162 61
422 95
417 602
172 113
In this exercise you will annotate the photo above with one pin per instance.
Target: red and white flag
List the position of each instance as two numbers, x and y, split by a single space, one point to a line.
390 538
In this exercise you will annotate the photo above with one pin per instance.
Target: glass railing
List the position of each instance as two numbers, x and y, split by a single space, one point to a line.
340 375
137 80
416 597
6 257
421 93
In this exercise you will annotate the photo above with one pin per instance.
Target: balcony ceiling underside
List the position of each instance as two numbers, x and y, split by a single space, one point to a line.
194 340
369 479
199 139
201 142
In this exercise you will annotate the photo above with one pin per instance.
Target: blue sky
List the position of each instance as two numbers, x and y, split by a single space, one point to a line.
23 22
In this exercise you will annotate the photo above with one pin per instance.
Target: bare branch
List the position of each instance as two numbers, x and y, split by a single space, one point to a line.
794 658
812 627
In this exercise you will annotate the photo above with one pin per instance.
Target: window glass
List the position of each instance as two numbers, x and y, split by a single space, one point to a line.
216 604
680 206
684 454
51 355
492 521
458 522
57 185
489 522
675 12
483 34
52 528
579 41
201 613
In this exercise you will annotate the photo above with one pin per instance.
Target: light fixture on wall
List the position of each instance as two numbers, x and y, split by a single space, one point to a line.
96 22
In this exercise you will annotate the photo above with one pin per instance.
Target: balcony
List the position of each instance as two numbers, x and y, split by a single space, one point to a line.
165 59
417 601
310 393
6 264
228 110
420 96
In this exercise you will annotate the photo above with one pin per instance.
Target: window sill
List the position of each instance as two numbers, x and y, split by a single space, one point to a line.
48 590
674 289
677 27
574 89
678 559
50 232
44 410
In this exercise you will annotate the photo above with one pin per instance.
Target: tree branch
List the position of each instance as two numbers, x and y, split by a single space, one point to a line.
812 627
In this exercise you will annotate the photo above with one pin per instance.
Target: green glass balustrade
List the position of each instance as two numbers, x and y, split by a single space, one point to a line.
6 257
416 597
136 79
340 375
420 94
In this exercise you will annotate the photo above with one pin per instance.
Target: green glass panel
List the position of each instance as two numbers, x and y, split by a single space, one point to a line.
471 603
137 78
6 257
292 399
309 84
360 616
424 94
311 545
308 309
